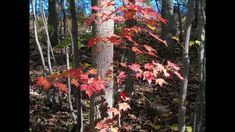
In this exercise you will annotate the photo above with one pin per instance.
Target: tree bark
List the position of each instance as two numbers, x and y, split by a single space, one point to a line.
76 60
36 37
167 30
102 56
199 115
186 61
179 19
53 21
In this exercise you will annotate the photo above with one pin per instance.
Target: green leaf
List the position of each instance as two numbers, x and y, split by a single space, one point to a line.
191 43
70 127
155 127
174 127
189 129
197 42
176 100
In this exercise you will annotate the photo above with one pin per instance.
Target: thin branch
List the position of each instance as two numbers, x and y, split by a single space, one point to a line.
36 36
48 39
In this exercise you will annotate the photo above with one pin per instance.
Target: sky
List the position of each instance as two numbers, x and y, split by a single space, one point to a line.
86 5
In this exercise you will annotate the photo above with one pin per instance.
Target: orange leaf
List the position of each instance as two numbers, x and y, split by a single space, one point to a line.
43 82
75 82
93 71
62 87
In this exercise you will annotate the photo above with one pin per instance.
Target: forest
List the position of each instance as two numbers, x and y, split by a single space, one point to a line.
117 65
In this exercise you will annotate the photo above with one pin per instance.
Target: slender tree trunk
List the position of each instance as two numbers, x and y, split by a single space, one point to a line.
48 39
36 37
74 117
167 30
199 116
54 93
76 59
186 61
53 21
179 19
129 84
102 58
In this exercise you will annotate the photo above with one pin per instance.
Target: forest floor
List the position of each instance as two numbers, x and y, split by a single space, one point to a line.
152 109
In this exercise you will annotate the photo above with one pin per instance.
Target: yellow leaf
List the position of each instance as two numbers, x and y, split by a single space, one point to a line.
191 43
197 42
175 38
114 129
189 129
151 27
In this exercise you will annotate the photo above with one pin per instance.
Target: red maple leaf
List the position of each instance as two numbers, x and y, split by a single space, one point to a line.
150 49
136 50
149 66
121 76
138 75
148 76
43 82
62 87
87 89
84 77
134 67
156 37
127 127
72 73
178 75
123 64
173 65
123 106
124 96
97 84
102 125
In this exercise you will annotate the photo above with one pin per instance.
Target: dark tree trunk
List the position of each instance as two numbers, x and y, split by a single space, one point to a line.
186 61
167 30
76 60
53 21
129 84
199 115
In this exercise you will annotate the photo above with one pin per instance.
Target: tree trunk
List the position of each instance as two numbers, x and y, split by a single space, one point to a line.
102 57
53 21
36 37
129 84
199 116
76 60
179 19
185 58
167 30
